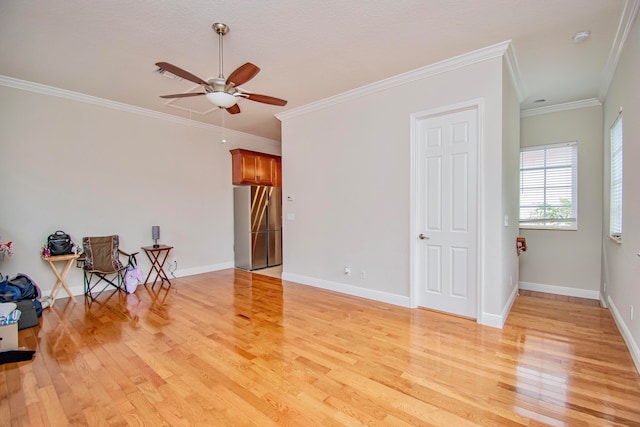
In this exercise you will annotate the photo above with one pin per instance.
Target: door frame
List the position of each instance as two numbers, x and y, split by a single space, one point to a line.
415 118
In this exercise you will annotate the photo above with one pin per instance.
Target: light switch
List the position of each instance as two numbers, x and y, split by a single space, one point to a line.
291 217
506 220
291 198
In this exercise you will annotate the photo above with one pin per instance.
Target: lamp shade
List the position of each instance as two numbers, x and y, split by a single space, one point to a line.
222 99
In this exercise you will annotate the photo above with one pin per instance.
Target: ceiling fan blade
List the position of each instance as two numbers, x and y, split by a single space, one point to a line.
265 99
181 73
234 109
183 95
243 74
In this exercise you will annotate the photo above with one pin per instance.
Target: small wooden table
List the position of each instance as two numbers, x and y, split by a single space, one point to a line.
157 263
62 274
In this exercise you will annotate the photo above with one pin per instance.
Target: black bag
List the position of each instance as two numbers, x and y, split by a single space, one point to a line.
24 292
59 243
18 288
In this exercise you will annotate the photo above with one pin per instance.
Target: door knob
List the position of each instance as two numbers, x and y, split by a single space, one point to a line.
423 237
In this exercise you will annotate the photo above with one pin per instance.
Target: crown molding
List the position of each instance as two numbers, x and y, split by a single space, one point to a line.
457 62
101 102
626 22
514 71
584 103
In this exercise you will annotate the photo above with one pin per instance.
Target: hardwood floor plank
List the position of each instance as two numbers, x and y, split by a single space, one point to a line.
52 405
233 348
138 411
237 406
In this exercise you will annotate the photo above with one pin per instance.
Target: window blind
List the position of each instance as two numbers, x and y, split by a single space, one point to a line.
615 201
548 186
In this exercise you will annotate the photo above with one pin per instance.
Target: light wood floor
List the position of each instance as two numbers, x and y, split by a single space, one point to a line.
232 348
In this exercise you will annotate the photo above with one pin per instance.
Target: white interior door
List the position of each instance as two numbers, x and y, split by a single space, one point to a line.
447 212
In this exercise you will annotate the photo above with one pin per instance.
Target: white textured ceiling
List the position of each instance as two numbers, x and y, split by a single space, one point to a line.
307 50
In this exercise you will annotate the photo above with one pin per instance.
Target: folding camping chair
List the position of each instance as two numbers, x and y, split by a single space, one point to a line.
102 264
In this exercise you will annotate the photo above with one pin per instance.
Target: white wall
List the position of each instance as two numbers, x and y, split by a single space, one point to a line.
568 262
621 262
347 163
91 170
510 189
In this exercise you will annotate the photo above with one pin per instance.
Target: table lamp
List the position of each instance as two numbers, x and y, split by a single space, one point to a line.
155 235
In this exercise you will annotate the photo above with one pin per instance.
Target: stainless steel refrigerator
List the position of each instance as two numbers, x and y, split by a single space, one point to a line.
257 226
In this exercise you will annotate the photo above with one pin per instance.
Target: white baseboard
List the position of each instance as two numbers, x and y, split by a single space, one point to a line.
349 289
492 320
560 290
204 269
603 301
626 334
79 290
495 320
487 319
75 290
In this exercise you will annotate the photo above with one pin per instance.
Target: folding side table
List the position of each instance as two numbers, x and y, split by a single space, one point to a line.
157 256
62 274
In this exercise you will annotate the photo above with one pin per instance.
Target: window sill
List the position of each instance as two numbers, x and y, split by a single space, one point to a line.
618 240
524 227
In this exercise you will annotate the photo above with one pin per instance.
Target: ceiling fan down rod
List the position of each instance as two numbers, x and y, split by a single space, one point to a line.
221 29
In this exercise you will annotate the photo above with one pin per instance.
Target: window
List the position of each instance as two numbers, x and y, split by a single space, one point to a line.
615 195
549 186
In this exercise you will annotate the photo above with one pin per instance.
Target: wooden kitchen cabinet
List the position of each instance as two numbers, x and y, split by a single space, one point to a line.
253 168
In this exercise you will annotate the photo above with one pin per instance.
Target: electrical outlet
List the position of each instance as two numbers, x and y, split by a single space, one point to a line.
347 271
363 274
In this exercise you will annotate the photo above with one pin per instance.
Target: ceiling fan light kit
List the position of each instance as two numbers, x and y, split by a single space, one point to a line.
221 99
221 92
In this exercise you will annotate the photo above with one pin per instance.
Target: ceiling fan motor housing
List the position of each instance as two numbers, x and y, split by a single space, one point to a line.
217 85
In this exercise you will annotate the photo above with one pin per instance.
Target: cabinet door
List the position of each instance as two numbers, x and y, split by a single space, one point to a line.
264 174
277 174
249 168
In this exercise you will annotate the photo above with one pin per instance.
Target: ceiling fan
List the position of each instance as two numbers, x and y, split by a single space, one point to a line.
221 92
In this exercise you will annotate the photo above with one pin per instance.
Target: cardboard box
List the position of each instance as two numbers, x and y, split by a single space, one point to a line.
9 337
